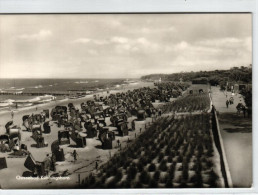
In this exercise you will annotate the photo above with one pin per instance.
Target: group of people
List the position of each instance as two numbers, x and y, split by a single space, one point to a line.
240 107
230 101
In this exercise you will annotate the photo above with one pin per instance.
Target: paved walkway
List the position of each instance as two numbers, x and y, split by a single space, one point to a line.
219 99
238 146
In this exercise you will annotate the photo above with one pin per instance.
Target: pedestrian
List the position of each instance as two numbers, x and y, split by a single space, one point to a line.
53 162
36 108
96 165
47 163
12 114
227 102
75 155
159 112
244 110
239 107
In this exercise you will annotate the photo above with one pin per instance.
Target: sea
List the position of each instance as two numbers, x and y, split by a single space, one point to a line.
17 87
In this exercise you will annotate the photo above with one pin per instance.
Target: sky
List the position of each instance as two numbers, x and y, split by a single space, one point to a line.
121 45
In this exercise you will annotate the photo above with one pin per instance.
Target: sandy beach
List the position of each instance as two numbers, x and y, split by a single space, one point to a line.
86 156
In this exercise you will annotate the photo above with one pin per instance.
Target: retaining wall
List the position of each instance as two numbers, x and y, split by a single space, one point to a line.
220 147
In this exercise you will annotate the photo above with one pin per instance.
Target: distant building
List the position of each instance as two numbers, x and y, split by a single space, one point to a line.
199 85
201 80
237 88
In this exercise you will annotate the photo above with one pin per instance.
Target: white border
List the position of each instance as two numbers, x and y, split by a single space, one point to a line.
149 6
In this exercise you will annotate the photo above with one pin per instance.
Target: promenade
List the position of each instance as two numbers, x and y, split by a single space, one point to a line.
236 132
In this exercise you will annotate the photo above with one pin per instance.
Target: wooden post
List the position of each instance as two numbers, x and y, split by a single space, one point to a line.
79 179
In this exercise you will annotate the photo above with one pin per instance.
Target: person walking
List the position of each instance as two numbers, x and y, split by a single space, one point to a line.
53 162
244 110
47 163
118 142
12 114
96 165
75 155
159 112
227 102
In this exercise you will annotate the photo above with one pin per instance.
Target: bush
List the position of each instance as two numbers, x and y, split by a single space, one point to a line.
92 180
161 156
138 185
140 166
170 159
153 183
185 174
163 165
180 158
152 167
126 164
198 180
144 177
118 176
169 183
111 184
213 179
156 175
131 173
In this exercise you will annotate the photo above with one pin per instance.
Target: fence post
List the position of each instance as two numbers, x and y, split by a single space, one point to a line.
79 179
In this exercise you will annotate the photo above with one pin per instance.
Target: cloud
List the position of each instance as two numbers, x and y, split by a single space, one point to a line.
221 42
166 29
81 40
93 52
136 43
42 34
119 40
87 40
147 45
100 42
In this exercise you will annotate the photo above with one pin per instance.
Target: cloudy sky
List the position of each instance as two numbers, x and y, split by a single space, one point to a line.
121 45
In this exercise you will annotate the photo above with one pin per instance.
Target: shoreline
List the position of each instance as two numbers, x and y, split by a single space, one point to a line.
87 155
66 100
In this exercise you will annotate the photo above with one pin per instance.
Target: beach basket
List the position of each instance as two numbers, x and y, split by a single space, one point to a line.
63 137
3 163
59 154
81 142
30 163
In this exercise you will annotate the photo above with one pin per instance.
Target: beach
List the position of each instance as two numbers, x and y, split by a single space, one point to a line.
86 156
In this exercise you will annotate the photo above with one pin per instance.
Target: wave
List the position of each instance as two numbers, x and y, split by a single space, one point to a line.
37 86
79 82
6 103
13 88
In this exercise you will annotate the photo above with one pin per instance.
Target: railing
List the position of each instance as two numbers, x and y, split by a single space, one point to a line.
220 147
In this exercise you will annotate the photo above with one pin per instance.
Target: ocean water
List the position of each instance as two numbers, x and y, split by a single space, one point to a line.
49 86
59 85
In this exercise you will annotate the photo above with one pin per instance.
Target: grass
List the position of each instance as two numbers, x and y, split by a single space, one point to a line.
236 123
